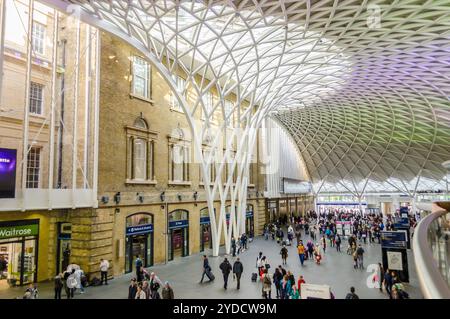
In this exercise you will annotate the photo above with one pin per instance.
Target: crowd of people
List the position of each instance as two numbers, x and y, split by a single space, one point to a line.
311 234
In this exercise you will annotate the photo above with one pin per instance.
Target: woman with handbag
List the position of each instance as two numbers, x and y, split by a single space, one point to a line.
267 285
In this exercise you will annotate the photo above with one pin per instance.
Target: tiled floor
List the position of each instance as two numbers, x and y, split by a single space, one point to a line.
184 274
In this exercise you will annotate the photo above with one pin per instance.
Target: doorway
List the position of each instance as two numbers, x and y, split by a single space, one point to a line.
138 240
178 241
18 262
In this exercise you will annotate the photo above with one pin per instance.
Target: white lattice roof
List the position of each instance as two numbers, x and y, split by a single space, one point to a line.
363 87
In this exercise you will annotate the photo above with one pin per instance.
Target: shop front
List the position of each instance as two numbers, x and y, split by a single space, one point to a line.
272 211
178 230
139 240
63 246
18 252
205 229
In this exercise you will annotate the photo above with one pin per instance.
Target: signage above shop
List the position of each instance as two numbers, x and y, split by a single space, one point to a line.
249 213
294 186
19 231
140 229
7 173
204 220
178 224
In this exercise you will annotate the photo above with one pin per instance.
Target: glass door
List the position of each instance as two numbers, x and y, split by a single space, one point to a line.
205 236
29 262
18 262
136 246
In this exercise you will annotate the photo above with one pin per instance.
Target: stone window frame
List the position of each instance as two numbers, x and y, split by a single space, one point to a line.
151 137
181 140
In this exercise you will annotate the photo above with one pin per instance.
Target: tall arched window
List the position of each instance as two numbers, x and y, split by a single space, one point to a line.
140 153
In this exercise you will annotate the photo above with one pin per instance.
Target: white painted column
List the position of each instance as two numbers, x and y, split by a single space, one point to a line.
75 115
2 42
87 105
27 103
52 109
96 120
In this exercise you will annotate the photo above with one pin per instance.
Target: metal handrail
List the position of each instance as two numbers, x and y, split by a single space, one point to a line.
432 283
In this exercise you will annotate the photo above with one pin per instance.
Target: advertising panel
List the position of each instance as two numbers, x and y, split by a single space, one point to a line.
7 173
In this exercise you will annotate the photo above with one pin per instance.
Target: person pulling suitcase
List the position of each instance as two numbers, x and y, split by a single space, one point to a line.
206 270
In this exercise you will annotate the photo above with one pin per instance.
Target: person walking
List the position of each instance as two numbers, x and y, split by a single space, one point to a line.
338 243
233 246
226 268
259 264
71 283
167 291
146 289
310 247
58 286
132 289
138 264
140 294
360 255
267 285
154 291
351 294
277 278
380 276
324 244
284 254
238 269
206 269
287 285
300 282
104 266
301 252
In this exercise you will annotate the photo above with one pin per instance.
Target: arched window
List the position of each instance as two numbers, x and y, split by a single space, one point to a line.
140 123
140 152
139 219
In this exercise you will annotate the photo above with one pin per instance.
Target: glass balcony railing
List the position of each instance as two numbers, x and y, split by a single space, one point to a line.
431 246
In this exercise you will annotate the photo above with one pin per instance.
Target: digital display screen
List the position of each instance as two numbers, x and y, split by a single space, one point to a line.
7 172
292 186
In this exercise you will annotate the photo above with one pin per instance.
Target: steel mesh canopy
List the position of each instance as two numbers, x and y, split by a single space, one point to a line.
363 87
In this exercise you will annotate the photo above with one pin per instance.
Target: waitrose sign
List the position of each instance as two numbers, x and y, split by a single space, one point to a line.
19 231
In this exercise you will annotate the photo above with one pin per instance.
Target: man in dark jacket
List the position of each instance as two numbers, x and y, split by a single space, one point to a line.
351 294
132 289
238 268
226 268
206 268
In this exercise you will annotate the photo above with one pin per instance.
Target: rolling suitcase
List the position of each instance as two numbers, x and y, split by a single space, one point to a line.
210 275
254 277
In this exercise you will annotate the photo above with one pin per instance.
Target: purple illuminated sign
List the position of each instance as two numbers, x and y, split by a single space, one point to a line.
7 173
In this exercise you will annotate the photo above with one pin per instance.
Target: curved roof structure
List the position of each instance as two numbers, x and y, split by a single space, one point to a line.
362 87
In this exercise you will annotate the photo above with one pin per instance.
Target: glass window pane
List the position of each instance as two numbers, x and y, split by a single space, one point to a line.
140 159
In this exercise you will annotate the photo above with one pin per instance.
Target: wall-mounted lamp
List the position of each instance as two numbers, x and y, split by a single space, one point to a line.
117 198
140 197
180 197
162 196
195 195
105 199
117 210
